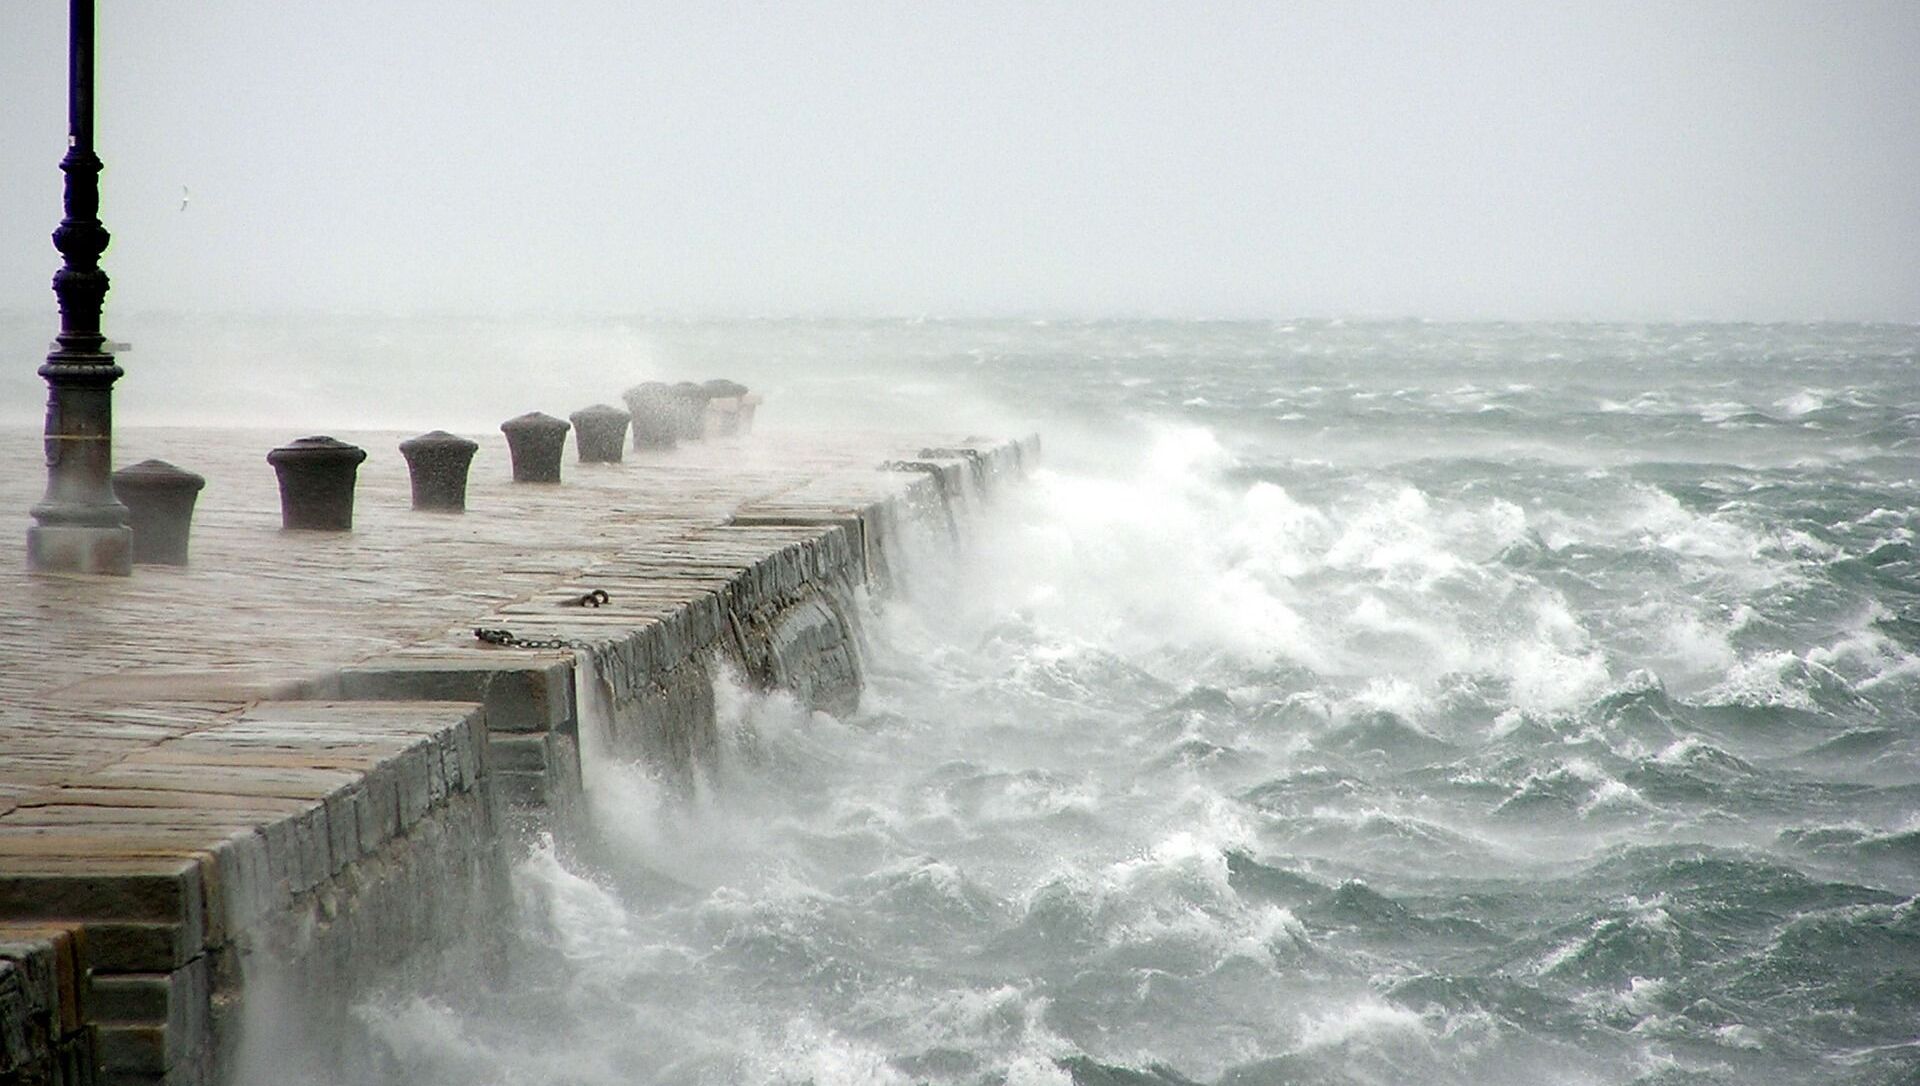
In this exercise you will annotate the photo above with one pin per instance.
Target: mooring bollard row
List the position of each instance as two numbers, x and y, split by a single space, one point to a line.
536 441
599 433
159 498
317 476
437 463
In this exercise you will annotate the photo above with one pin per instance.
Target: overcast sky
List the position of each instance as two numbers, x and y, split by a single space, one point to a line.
1608 160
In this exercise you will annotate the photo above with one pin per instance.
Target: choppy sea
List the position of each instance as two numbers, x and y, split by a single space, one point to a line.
1340 703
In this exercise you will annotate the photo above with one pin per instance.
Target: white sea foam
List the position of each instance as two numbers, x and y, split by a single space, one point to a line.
1614 794
1684 751
808 1052
1803 402
1401 697
1763 680
1366 1021
999 854
1864 656
1209 565
1164 557
575 915
1694 640
1558 667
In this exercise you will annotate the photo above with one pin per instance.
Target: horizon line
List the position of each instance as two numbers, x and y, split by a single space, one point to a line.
958 317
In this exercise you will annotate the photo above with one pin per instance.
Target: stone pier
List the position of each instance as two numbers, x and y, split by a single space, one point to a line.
291 767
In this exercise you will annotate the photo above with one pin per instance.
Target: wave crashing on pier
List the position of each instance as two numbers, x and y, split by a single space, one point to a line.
1341 704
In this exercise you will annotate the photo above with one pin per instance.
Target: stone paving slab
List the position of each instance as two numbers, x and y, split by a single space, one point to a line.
96 674
98 670
308 786
263 613
161 781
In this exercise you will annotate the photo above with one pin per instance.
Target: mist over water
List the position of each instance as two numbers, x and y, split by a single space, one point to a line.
1372 703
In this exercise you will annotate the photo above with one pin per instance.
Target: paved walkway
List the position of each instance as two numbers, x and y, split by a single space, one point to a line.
94 669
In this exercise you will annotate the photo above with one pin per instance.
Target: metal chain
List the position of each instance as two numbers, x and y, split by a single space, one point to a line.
506 639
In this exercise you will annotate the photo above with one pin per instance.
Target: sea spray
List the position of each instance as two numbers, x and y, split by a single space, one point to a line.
1470 704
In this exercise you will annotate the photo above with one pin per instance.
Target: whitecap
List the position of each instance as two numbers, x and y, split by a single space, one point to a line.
1803 402
1613 794
1763 680
1718 413
1368 1019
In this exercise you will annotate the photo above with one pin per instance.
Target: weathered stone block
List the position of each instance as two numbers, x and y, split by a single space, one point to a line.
131 946
377 808
563 766
164 888
125 1048
283 853
522 791
178 1000
470 750
315 856
521 753
343 827
35 1012
433 756
519 695
245 882
416 786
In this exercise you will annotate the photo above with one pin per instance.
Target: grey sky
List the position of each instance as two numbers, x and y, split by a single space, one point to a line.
1739 160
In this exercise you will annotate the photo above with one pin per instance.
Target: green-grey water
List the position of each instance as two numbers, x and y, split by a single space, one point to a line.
1342 703
1346 703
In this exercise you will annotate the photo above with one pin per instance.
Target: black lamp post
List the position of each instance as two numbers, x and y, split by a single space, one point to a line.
81 527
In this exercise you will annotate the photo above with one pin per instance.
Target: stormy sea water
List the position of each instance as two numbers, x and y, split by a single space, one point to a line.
1340 703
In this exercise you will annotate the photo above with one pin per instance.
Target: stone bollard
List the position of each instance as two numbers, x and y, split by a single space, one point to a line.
437 463
690 420
723 407
600 433
159 499
655 409
316 483
536 442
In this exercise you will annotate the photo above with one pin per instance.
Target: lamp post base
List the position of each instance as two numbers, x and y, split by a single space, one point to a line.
77 549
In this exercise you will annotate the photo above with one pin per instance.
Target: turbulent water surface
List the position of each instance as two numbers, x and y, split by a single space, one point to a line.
1385 703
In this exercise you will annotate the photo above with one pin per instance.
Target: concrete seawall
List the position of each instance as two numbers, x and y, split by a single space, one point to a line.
315 779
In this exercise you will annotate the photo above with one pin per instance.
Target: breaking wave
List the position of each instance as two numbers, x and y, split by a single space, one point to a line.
1440 704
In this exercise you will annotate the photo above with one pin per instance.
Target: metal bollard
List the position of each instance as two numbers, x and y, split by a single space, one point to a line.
654 408
748 405
599 433
690 418
437 462
316 483
159 499
535 442
723 407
